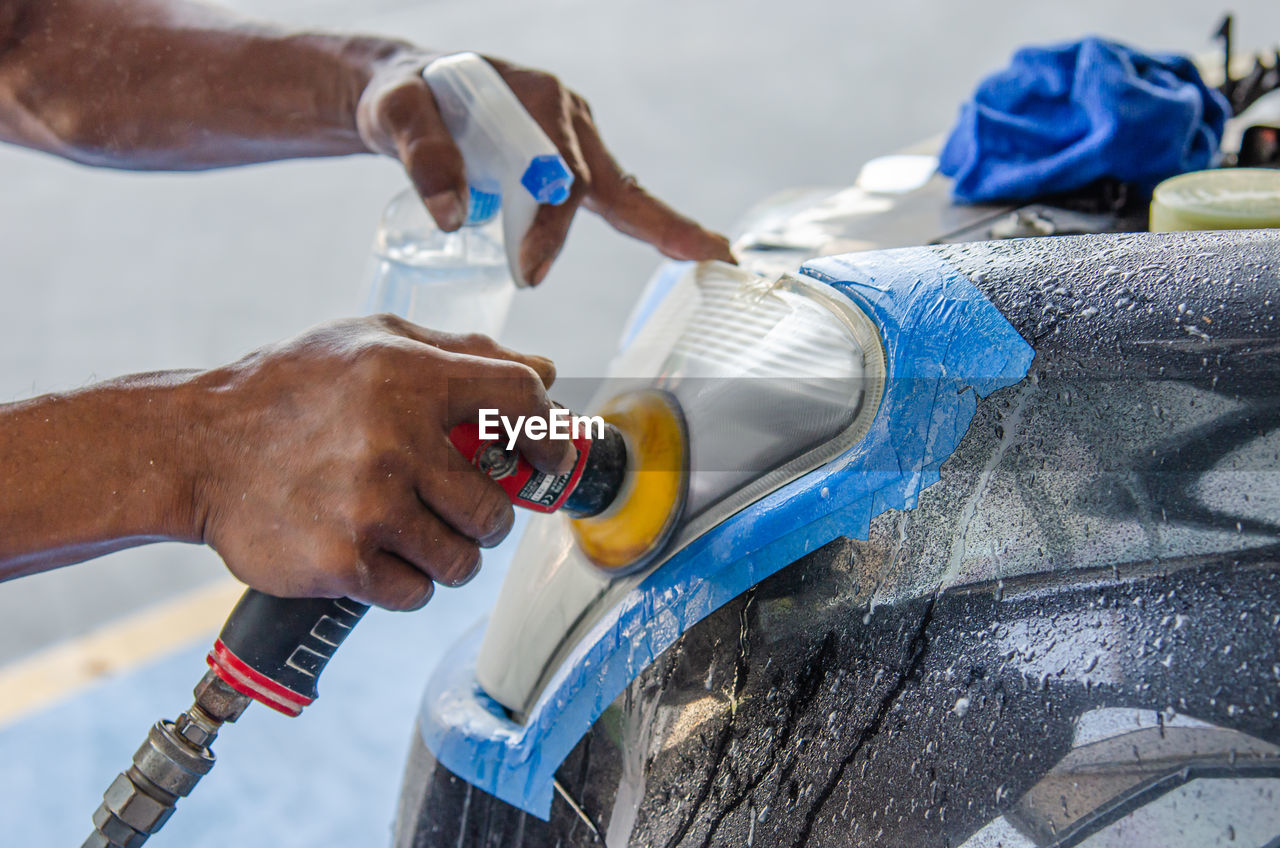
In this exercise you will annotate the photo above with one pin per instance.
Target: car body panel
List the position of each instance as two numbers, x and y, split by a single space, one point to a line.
1104 537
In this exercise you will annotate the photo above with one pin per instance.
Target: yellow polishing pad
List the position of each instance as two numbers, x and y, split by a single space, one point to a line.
627 535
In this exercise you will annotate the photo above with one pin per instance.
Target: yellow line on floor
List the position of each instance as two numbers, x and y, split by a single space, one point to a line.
42 679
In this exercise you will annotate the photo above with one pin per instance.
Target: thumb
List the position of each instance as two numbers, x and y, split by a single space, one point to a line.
406 115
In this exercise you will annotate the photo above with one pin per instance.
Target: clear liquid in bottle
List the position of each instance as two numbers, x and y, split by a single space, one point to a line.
454 282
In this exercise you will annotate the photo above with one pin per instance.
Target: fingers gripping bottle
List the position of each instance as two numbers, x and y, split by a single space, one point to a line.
464 281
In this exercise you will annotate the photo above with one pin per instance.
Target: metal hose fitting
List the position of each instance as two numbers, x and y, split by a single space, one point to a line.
167 767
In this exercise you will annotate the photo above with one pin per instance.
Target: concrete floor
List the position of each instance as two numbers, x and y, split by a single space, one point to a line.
714 104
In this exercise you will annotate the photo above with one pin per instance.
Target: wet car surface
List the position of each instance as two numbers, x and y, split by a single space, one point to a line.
1072 640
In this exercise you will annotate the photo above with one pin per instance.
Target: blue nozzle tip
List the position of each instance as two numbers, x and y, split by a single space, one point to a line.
548 179
482 206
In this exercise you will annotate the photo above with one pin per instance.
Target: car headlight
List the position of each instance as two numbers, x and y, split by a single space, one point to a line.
774 377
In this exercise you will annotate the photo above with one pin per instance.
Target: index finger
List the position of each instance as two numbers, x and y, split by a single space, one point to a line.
472 344
514 393
618 198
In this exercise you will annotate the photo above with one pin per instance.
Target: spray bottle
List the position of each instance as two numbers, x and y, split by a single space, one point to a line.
464 281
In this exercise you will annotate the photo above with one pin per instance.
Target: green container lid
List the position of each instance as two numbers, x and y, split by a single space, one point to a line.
1223 199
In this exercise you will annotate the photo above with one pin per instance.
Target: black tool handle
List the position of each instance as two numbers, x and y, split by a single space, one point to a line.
286 641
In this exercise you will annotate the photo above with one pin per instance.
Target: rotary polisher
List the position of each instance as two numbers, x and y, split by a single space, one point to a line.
625 496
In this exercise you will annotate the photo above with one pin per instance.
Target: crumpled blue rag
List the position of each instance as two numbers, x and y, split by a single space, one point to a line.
1060 117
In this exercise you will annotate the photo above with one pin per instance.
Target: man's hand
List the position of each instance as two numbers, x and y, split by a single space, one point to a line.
398 116
330 468
316 467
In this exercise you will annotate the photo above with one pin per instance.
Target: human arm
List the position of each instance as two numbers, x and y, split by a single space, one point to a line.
149 84
320 466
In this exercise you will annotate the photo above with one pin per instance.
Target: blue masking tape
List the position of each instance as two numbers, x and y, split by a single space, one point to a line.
941 337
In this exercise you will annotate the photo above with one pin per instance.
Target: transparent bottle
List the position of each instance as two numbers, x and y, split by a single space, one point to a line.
455 282
465 281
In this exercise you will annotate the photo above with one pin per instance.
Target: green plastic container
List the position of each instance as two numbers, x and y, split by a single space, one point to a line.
1224 199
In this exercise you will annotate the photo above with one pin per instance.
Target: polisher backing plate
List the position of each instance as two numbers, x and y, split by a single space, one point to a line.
633 530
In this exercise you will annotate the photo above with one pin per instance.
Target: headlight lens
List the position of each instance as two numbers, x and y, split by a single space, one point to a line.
774 377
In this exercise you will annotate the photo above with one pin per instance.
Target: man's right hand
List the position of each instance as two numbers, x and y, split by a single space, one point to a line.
329 471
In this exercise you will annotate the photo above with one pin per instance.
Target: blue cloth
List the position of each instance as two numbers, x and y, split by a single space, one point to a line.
1059 118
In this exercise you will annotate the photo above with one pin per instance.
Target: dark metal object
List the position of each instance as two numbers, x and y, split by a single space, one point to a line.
601 477
166 768
1077 624
1243 92
1259 148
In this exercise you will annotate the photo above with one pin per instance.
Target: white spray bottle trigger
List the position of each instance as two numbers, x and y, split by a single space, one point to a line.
510 161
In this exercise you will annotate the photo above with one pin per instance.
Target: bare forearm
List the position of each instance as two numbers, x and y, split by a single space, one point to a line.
148 84
97 470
